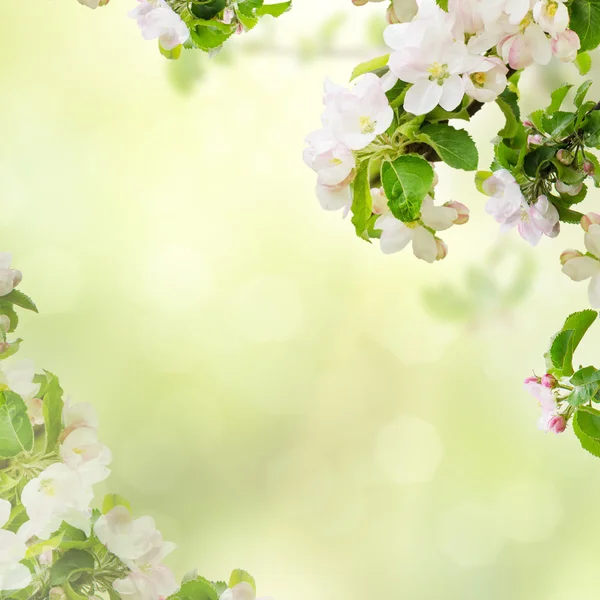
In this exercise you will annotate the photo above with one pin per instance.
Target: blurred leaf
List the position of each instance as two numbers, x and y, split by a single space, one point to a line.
70 566
275 10
112 500
239 575
362 203
16 432
369 66
53 409
20 299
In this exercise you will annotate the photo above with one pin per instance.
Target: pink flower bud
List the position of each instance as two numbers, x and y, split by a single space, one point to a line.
564 156
557 424
17 277
531 380
589 219
568 255
570 190
462 211
588 167
566 45
535 140
442 249
528 123
549 381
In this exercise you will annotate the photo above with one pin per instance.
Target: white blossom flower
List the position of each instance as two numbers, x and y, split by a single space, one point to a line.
58 494
505 196
13 574
78 414
527 46
487 81
333 162
334 198
156 19
9 278
18 375
396 235
434 66
358 116
82 452
551 15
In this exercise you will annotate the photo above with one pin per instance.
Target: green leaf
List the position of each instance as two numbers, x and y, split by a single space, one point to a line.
589 423
443 4
591 129
561 350
74 538
16 432
196 589
511 127
53 409
370 65
70 566
362 202
238 576
587 384
172 54
20 299
583 62
558 97
454 146
72 594
275 10
11 349
480 178
588 443
579 323
567 215
406 182
112 500
559 124
585 21
208 38
538 159
581 93
207 9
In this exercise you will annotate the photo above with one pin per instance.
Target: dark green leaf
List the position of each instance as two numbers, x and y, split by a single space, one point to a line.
557 97
585 21
454 146
20 299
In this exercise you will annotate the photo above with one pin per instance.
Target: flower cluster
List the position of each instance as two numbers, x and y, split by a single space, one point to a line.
53 543
196 24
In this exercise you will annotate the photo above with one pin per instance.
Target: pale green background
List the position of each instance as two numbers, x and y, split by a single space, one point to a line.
274 390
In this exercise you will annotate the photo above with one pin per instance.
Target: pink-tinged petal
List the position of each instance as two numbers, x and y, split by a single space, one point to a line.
395 235
538 42
581 268
422 97
529 231
542 394
333 199
439 218
592 240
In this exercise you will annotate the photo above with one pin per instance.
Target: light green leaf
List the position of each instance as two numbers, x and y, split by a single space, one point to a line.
20 299
16 432
406 182
53 409
558 97
370 65
196 589
585 21
112 500
238 576
72 594
362 202
583 62
591 128
454 146
581 93
511 127
11 349
587 383
561 350
275 10
44 545
583 426
580 322
480 178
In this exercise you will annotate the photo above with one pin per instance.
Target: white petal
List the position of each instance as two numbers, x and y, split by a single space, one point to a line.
592 240
581 268
594 292
422 97
439 218
424 246
453 92
5 508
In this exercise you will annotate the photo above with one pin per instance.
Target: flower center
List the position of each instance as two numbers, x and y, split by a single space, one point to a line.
478 79
438 72
552 8
47 487
367 125
526 22
412 225
336 161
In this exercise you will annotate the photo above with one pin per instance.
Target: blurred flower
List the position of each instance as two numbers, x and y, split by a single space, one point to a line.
580 267
82 451
156 19
9 278
13 575
240 591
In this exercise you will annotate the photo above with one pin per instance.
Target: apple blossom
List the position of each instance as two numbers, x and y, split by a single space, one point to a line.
241 591
9 278
13 574
526 46
505 194
82 452
358 116
156 19
487 81
588 220
551 15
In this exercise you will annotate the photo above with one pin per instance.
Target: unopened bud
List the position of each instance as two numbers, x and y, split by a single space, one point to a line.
568 255
4 346
57 593
379 201
588 220
535 140
442 249
528 123
461 210
549 381
557 424
565 157
588 167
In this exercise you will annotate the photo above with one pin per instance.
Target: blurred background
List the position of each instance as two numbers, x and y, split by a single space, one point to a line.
278 394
